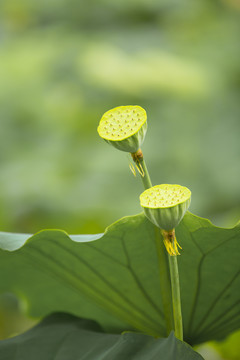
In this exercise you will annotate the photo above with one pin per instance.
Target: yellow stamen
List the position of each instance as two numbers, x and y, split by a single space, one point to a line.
136 158
132 168
170 242
139 168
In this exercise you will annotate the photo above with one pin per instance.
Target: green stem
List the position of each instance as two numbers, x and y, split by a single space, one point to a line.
142 168
164 274
165 282
176 299
145 177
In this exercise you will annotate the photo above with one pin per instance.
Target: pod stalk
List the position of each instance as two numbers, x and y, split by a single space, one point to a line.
140 163
176 298
164 274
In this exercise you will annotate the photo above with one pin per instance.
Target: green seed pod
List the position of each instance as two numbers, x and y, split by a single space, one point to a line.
165 205
124 127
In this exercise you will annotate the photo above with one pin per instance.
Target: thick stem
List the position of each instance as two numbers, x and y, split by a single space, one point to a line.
145 177
176 299
164 273
165 282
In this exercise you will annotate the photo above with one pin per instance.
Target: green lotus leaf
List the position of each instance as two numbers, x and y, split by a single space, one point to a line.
65 337
113 278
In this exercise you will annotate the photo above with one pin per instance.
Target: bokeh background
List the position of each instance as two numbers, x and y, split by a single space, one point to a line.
63 63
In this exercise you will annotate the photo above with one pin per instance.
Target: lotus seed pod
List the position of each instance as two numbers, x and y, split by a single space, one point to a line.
124 127
165 205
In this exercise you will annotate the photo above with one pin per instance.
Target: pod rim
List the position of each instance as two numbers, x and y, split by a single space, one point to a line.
121 122
164 196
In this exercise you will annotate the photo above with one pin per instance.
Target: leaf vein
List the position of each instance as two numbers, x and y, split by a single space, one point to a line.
216 300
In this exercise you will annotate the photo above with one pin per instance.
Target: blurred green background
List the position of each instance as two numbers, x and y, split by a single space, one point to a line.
64 63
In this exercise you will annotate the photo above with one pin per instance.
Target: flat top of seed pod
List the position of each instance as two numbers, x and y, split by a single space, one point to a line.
121 122
164 196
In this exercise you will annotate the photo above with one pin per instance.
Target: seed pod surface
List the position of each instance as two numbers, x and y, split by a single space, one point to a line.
124 127
166 204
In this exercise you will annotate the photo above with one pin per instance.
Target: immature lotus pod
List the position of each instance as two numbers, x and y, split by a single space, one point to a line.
124 127
165 205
